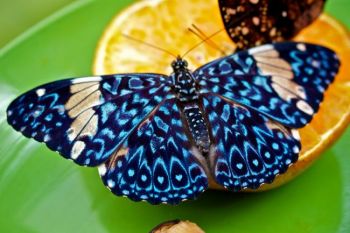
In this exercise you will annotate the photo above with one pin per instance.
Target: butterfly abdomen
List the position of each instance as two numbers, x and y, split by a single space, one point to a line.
197 126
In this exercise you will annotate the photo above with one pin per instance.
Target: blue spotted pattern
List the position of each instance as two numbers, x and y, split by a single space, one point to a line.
241 78
158 165
124 102
159 138
250 148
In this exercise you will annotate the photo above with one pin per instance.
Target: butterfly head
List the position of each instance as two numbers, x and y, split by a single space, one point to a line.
179 64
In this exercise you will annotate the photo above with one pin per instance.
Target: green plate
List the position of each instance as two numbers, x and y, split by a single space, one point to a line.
41 192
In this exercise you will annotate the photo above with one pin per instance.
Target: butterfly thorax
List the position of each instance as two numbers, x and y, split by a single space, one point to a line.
184 84
187 94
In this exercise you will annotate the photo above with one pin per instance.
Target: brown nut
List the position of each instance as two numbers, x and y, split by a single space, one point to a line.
177 226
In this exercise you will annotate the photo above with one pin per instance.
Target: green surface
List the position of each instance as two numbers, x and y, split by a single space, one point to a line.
17 15
41 192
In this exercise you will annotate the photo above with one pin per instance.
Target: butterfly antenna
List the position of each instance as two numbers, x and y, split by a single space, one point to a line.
234 22
199 33
149 45
203 41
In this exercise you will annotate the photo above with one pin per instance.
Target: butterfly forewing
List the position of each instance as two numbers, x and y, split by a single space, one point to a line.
255 22
87 119
284 81
156 163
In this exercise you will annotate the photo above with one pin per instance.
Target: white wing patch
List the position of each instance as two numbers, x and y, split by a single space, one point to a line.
85 95
87 79
270 64
263 48
305 107
40 92
77 148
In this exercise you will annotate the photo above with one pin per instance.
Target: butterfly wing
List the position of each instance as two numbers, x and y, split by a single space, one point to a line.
251 23
252 100
157 162
284 81
249 148
87 119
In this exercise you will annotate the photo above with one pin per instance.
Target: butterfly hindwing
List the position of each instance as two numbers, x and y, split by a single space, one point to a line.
156 163
251 23
249 149
87 119
284 81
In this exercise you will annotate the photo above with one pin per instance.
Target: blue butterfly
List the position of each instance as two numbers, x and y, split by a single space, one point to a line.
162 138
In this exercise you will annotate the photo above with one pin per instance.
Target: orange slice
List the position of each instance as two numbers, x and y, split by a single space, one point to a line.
164 24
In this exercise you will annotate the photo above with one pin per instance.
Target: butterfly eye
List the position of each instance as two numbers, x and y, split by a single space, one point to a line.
185 63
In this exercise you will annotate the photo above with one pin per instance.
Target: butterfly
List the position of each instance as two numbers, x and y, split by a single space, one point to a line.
161 138
251 23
